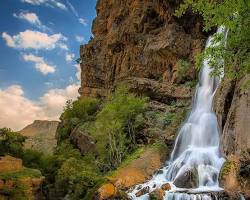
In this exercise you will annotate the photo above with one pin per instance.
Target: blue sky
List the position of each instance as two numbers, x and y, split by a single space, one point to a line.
39 44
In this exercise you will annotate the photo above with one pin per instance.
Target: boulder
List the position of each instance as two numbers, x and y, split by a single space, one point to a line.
107 191
188 179
166 187
140 169
84 142
142 191
157 194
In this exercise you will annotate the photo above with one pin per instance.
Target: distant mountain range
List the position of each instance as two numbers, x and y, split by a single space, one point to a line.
41 135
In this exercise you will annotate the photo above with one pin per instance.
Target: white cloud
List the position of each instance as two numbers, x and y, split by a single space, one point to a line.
32 18
49 3
72 8
83 21
40 64
54 100
80 39
78 71
18 111
69 57
35 40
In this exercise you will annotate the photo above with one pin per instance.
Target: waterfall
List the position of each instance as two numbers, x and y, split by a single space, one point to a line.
196 149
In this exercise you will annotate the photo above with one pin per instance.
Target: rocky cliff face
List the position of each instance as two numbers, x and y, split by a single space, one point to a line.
141 43
18 182
232 106
41 135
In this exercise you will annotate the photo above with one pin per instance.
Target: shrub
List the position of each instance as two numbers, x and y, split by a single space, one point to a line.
75 113
182 69
169 118
77 179
11 142
116 124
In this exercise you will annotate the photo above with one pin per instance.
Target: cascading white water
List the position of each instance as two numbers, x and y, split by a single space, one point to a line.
196 147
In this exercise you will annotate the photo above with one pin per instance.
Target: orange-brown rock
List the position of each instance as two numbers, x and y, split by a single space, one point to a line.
106 191
157 194
139 170
18 180
10 164
142 191
166 187
138 39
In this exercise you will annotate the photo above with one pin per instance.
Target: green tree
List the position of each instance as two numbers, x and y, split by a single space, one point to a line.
234 15
11 142
75 113
116 124
77 179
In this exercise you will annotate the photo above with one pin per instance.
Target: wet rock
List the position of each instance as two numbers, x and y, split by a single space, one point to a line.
188 179
143 191
166 187
157 194
232 108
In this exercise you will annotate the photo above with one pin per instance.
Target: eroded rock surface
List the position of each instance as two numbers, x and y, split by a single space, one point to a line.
140 42
232 106
18 182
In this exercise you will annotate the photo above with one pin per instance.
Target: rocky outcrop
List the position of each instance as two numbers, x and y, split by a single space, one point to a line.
10 164
40 135
232 106
18 182
84 142
143 43
134 172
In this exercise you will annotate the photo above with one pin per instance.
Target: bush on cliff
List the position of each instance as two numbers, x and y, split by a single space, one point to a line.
75 113
115 126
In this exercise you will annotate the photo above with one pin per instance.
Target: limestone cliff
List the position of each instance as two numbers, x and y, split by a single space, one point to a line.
40 135
142 43
232 106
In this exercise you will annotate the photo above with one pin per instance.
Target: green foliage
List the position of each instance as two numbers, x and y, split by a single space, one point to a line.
234 15
116 124
169 118
182 68
226 168
76 113
26 172
76 179
11 142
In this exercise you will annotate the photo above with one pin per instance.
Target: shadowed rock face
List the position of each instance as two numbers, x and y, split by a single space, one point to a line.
41 135
138 39
232 106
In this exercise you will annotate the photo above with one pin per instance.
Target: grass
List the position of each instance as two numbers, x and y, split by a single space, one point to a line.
225 170
25 173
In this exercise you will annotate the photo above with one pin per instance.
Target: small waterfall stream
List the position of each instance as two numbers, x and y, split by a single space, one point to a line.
196 149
